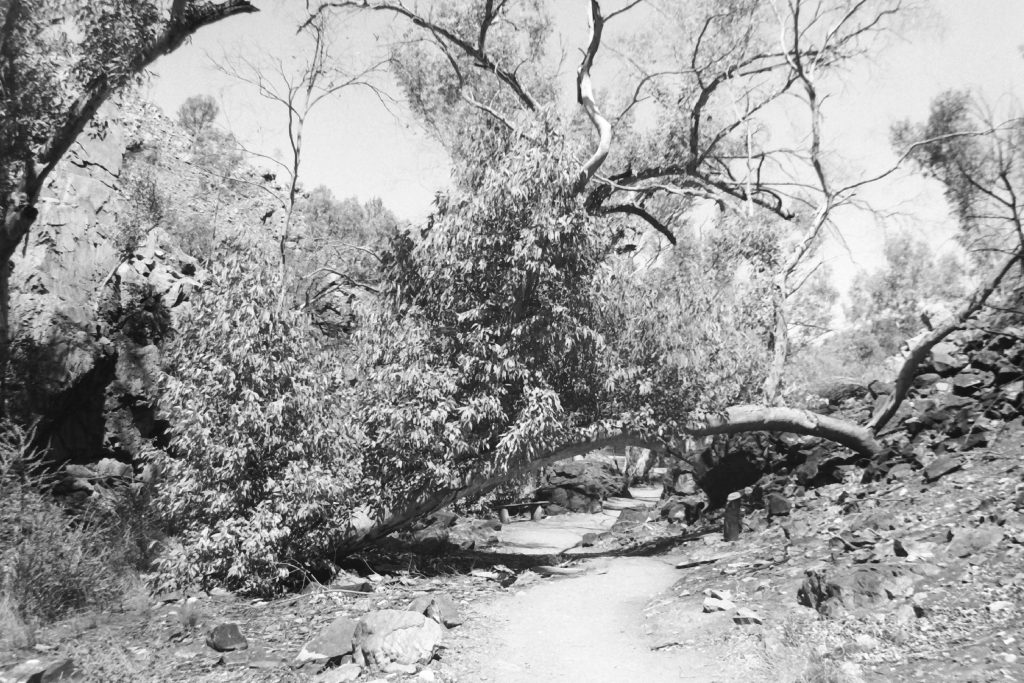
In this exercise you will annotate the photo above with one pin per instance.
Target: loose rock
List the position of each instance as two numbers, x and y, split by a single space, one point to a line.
747 617
441 608
226 638
333 641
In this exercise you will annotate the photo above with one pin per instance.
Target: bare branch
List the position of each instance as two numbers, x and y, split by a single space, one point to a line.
475 51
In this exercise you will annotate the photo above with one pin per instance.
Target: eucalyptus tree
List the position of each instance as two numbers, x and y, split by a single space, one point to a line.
502 354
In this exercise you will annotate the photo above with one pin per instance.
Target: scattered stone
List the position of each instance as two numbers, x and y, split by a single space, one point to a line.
426 676
36 671
717 605
259 658
1000 606
971 381
747 617
396 668
343 674
333 641
945 363
717 594
226 638
777 505
441 608
395 636
941 466
913 550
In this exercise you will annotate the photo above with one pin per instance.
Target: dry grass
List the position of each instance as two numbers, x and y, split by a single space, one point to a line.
52 562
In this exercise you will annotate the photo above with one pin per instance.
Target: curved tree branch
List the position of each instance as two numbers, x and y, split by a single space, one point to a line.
754 418
640 212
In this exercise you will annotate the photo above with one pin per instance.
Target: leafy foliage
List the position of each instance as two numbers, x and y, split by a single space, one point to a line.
889 302
489 354
261 470
50 52
977 159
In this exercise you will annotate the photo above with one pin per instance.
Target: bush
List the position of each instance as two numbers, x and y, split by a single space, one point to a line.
259 477
51 563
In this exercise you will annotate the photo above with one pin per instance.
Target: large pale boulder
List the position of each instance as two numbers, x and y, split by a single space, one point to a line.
391 636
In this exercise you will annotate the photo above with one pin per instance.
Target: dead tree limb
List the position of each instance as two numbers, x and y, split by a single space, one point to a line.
917 355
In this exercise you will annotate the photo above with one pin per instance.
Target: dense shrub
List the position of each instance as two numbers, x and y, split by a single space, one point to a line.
260 473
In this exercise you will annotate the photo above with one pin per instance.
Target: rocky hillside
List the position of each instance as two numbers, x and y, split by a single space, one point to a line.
106 269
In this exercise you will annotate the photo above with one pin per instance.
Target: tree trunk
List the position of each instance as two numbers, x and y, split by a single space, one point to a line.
365 527
779 345
905 378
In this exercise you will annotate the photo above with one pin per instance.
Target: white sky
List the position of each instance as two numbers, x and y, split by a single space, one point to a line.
357 148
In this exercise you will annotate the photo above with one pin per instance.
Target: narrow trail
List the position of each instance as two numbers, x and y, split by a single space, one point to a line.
583 628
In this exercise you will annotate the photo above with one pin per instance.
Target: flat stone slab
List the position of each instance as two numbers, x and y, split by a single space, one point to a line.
551 535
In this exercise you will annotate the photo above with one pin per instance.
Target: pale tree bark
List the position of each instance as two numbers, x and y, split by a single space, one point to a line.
585 96
185 19
367 526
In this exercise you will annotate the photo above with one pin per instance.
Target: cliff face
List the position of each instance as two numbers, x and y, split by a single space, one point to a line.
102 276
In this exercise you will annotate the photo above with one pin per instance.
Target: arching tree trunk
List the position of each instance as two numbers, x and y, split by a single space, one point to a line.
365 527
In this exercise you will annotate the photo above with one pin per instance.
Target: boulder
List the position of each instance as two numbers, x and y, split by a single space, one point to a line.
226 638
578 484
470 534
777 505
391 636
441 608
335 641
968 542
630 518
854 588
972 381
941 466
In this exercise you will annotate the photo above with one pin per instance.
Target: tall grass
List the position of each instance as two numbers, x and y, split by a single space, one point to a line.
53 562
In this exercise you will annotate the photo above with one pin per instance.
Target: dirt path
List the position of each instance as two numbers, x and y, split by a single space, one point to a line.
582 628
